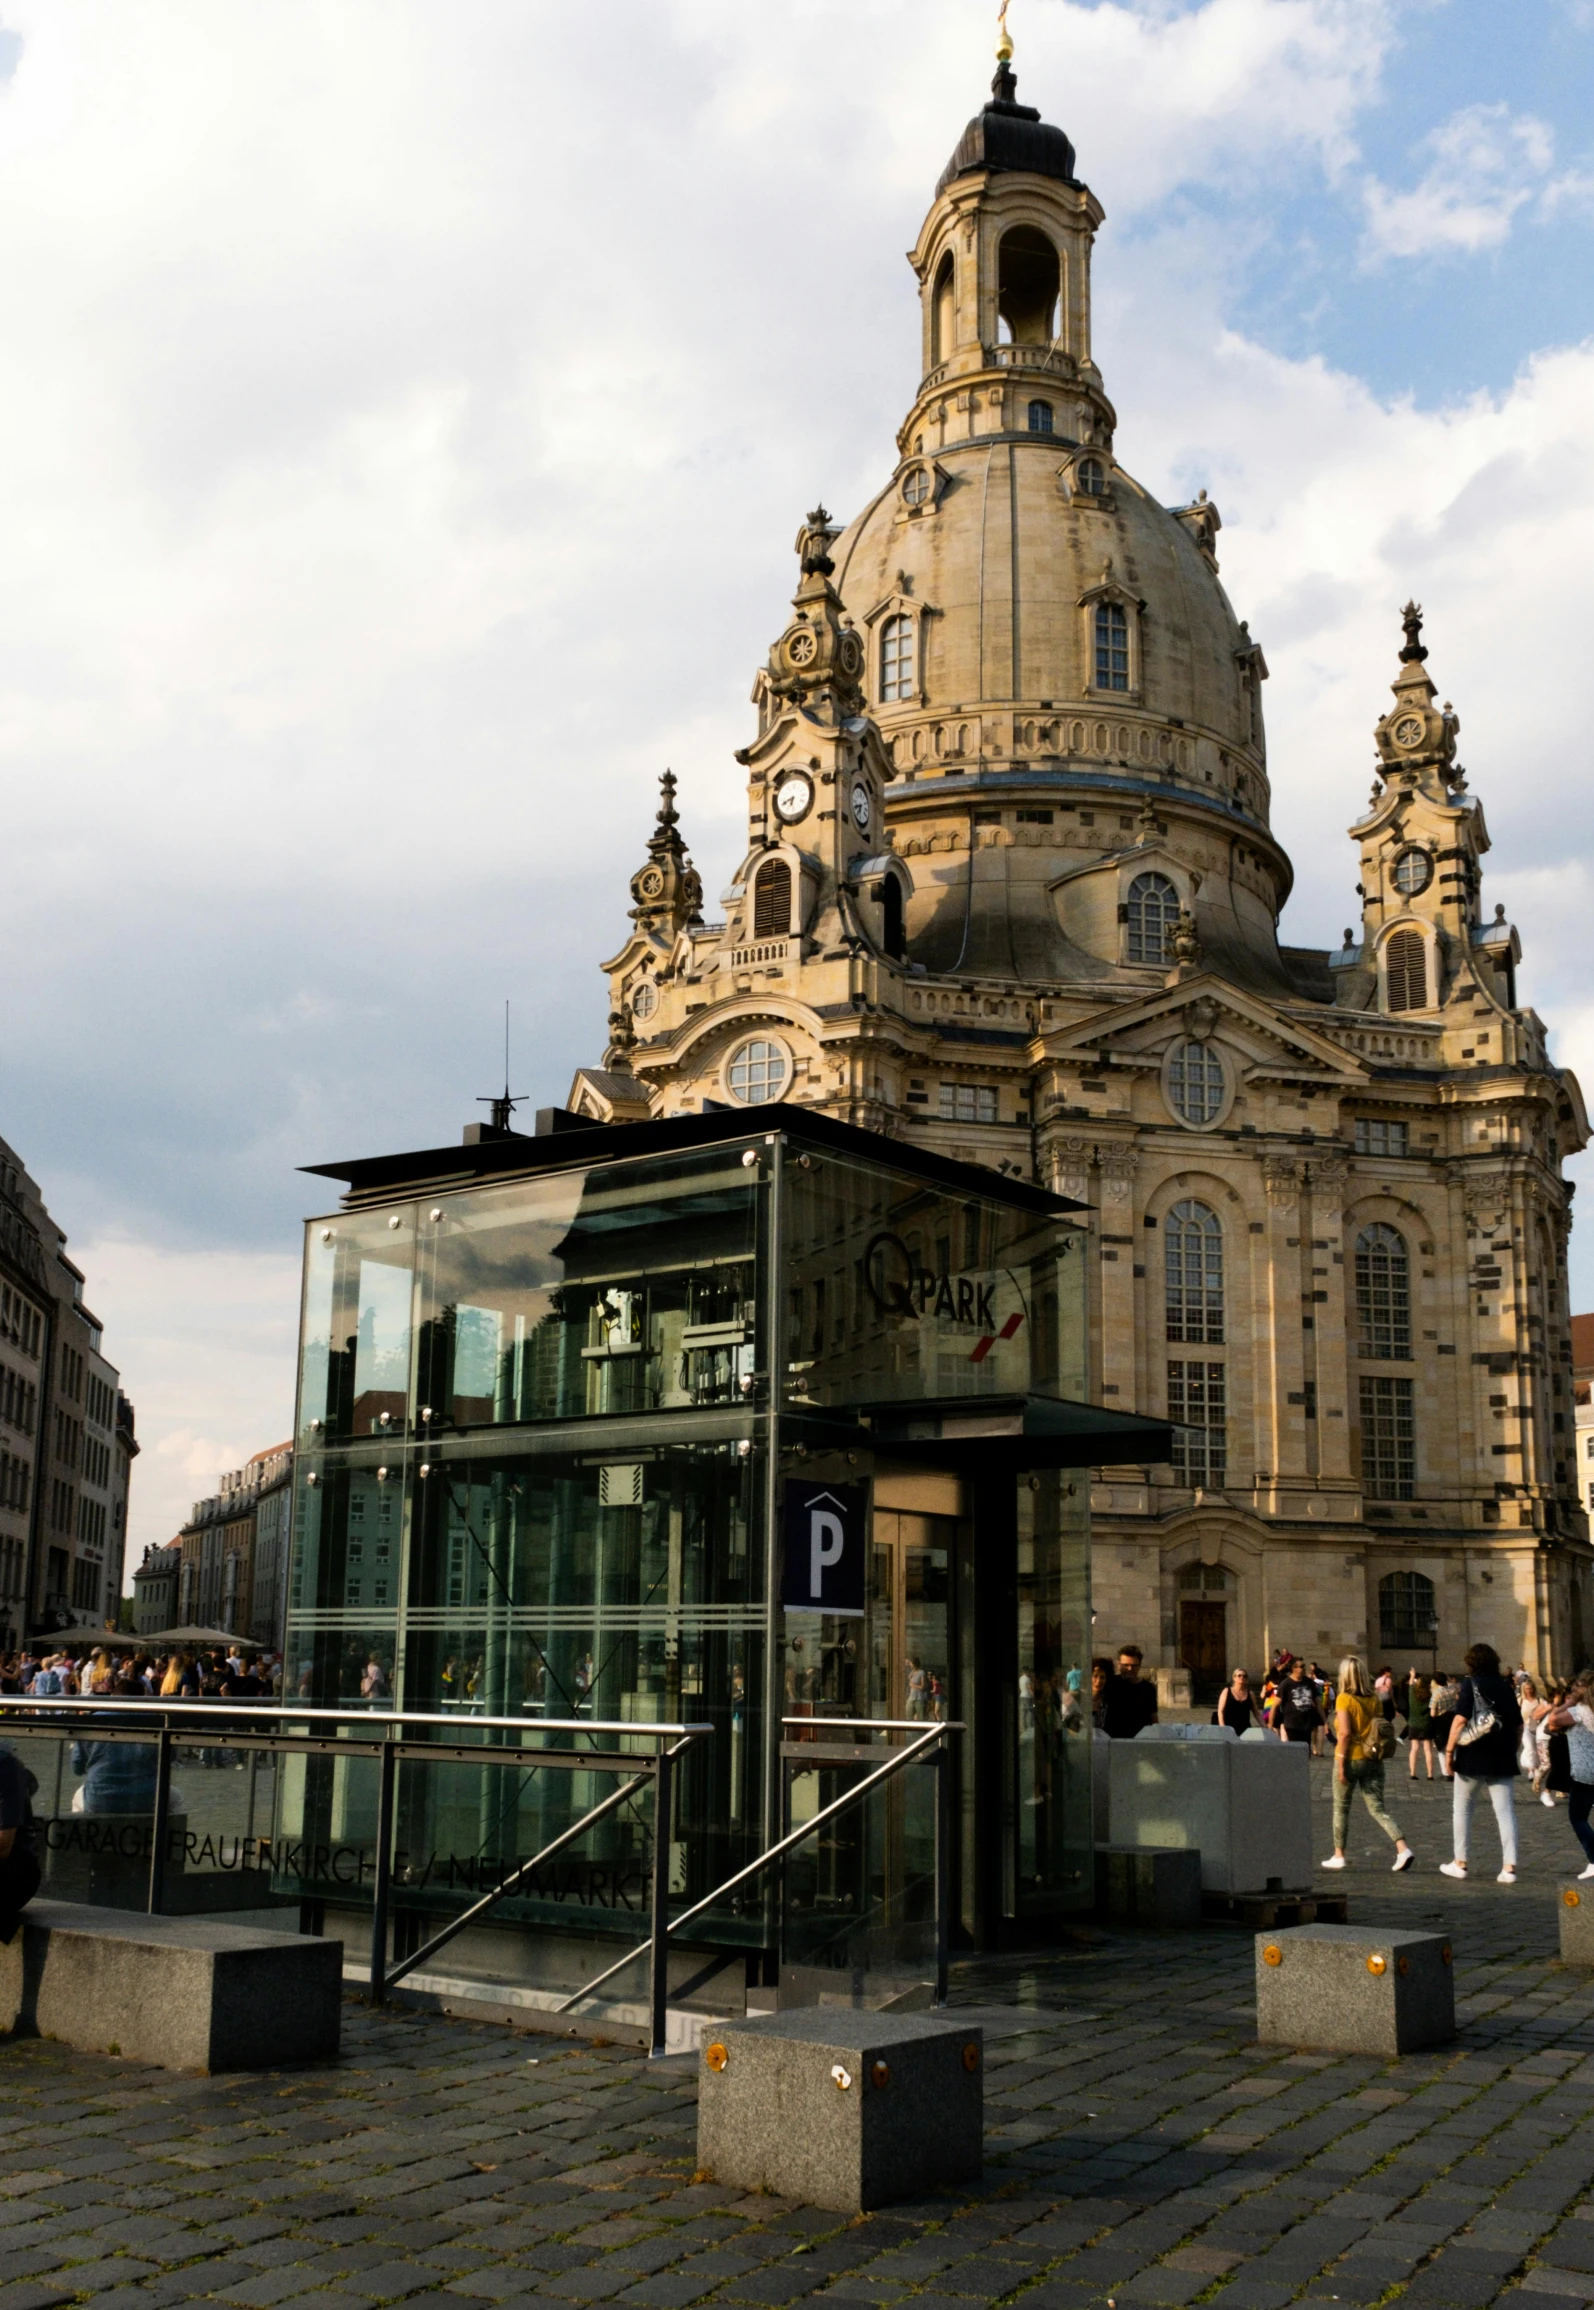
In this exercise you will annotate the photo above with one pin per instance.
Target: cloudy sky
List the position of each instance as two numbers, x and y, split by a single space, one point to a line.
407 414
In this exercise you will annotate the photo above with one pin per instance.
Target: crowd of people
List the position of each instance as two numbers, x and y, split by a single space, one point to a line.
101 1672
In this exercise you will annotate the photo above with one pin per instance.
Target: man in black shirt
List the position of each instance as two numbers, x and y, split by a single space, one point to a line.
19 1860
1130 1703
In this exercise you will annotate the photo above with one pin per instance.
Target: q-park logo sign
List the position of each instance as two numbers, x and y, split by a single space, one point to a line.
825 1529
900 1286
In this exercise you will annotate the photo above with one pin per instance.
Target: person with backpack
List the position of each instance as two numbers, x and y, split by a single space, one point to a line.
1363 1739
1484 1734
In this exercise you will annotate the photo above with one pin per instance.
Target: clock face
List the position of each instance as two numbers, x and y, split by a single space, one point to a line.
794 797
862 806
1408 730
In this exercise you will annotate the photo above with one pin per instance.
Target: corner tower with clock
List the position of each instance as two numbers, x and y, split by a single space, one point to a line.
819 869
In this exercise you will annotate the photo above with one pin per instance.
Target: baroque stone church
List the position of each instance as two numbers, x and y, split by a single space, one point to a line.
1011 892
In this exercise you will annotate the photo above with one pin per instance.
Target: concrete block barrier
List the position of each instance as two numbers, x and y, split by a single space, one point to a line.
1353 1989
172 1991
1148 1885
844 2110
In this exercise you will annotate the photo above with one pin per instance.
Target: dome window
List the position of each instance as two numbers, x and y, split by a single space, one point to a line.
1196 1083
758 1071
1091 476
1406 972
772 901
1152 911
1413 872
1040 417
1027 284
916 486
896 659
943 312
1112 646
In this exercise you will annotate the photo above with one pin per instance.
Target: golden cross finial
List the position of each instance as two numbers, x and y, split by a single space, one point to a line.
1004 38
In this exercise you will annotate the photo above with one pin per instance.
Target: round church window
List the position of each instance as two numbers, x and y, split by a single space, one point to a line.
915 486
757 1071
1413 872
644 999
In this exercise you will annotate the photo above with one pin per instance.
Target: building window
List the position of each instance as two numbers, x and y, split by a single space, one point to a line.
896 658
1407 1621
915 485
1383 1295
1153 911
1376 1137
1195 1082
1406 971
1091 476
757 1071
1040 417
772 901
968 1103
1389 1450
1196 1408
1193 1264
1413 872
1112 646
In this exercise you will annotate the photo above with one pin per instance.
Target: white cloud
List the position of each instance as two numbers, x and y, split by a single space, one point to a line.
408 413
1486 163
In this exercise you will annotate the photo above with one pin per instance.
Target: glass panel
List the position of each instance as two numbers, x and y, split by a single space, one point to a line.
1053 1812
858 1897
354 1366
897 1289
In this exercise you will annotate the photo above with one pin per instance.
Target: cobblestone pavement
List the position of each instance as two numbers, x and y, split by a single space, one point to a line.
1142 2150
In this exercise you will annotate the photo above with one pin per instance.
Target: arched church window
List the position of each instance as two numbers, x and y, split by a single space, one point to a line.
1091 476
1193 1269
772 901
1407 1619
891 937
896 658
942 311
1383 1295
1195 1082
1112 646
1040 417
757 1072
1153 911
1406 971
1028 278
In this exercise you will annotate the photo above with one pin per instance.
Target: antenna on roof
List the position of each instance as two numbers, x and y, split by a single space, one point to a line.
502 1117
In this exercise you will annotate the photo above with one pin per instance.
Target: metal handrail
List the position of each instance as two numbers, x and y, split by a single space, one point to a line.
206 1711
215 1722
931 1736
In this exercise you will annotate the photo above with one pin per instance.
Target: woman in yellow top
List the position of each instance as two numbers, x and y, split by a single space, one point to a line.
1357 1763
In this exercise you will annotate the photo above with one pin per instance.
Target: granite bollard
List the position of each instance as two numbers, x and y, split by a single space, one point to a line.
1575 1908
1148 1885
1354 1989
842 2109
175 1991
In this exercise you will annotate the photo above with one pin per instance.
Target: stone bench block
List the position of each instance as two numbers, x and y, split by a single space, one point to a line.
1148 1885
1353 1989
1575 1907
841 2109
172 1991
1244 1806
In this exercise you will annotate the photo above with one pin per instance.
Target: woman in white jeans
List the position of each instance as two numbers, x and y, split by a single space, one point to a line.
1484 1736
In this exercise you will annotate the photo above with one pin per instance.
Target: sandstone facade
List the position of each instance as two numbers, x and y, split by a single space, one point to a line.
1011 890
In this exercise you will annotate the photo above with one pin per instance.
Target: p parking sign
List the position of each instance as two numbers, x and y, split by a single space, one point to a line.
824 1532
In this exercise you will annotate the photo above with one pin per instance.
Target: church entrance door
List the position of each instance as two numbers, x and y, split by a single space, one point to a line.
1203 1649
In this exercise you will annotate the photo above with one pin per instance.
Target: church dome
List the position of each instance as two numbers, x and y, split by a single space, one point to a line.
1009 135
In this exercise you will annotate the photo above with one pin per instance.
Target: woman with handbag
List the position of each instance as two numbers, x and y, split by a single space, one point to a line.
1363 1738
1484 1735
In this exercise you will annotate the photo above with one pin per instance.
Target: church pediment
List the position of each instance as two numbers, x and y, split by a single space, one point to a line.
1206 1009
